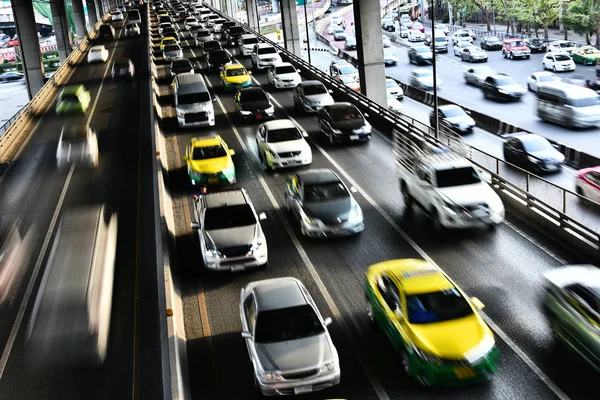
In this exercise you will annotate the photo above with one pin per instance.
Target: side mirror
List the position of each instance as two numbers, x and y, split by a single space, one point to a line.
353 189
304 134
366 115
214 99
477 303
185 158
298 71
327 321
262 216
249 72
195 225
330 91
246 335
231 152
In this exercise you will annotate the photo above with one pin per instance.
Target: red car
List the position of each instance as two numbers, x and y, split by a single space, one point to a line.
12 43
587 183
418 26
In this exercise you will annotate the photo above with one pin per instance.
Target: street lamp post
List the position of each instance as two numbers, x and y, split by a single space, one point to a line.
307 35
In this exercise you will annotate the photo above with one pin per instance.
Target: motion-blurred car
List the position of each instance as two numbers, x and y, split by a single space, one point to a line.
246 44
436 328
442 28
587 183
11 77
289 345
515 48
323 205
281 144
350 43
419 55
232 35
73 100
264 56
166 41
342 67
490 43
343 122
415 35
458 48
172 52
387 23
78 144
132 30
123 69
339 34
218 59
309 96
385 40
389 58
202 36
181 66
190 22
473 54
502 87
476 75
235 77
116 16
454 117
422 78
97 54
586 55
15 252
393 89
536 45
253 104
533 152
393 103
538 79
106 32
417 26
211 45
441 43
562 45
403 33
558 61
572 307
349 81
335 21
209 161
169 31
164 25
284 75
461 36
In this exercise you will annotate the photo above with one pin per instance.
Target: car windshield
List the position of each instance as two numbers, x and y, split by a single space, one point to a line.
536 41
454 112
347 79
287 324
517 43
562 57
482 71
536 143
493 40
548 78
584 102
206 152
463 35
422 49
283 135
351 41
339 114
456 177
172 47
182 64
267 50
390 84
193 98
169 41
440 39
505 81
287 69
236 72
325 192
228 217
250 40
388 54
74 133
69 97
423 73
236 30
253 95
347 69
310 90
202 33
340 30
565 44
121 65
219 55
445 305
213 44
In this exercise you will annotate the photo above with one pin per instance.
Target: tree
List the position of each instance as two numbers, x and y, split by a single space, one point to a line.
545 14
582 18
484 6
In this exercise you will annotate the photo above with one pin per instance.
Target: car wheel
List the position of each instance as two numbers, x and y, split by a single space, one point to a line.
331 140
512 56
370 312
406 197
579 191
529 87
503 54
554 68
437 224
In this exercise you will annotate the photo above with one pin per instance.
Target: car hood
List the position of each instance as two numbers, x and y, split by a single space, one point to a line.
239 236
425 56
451 339
269 56
461 120
548 155
323 99
256 105
426 81
515 88
209 166
329 211
237 79
290 76
300 354
465 195
291 145
349 125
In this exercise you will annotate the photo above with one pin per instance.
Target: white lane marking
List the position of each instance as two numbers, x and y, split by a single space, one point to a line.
513 346
381 394
21 313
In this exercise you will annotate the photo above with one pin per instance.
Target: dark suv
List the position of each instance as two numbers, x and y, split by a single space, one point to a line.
343 122
502 87
536 45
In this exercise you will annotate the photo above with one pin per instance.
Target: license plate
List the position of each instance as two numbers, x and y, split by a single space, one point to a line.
464 372
237 268
213 180
353 137
301 390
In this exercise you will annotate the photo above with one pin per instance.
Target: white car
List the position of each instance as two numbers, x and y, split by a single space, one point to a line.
393 103
281 144
561 45
422 78
415 35
336 20
458 48
558 61
393 89
538 79
461 36
442 28
78 144
97 54
132 29
284 75
116 16
587 183
264 56
189 22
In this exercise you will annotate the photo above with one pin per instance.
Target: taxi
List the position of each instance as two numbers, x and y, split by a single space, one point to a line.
350 81
209 161
587 55
167 41
162 14
436 328
73 99
234 77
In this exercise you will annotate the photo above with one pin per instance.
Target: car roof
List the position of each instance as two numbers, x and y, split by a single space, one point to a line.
567 275
586 170
226 198
311 83
99 47
264 45
168 38
528 137
205 141
571 91
73 89
234 66
414 276
277 124
283 64
74 132
449 107
342 105
274 294
316 176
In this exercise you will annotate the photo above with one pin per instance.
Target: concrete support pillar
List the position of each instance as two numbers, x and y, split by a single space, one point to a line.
289 22
371 69
79 19
91 12
252 12
29 44
232 9
61 28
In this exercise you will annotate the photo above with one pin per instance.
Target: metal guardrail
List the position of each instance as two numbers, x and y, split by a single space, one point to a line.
9 121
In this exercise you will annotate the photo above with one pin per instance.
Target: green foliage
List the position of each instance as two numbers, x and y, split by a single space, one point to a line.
445 18
582 17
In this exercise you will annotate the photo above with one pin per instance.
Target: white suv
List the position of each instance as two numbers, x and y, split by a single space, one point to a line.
264 55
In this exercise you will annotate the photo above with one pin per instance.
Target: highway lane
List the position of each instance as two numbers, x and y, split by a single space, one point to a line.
210 300
117 116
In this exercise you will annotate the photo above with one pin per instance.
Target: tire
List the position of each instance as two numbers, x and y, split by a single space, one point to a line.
554 68
529 87
503 54
370 312
512 56
331 140
406 197
437 225
579 191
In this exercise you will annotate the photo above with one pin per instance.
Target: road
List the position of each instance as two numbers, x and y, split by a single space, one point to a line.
503 268
32 188
521 114
13 97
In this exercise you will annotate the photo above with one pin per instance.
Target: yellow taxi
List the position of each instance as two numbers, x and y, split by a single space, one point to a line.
167 41
162 14
209 161
587 55
234 77
436 328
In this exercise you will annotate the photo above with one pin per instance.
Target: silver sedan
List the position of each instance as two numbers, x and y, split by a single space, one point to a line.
474 76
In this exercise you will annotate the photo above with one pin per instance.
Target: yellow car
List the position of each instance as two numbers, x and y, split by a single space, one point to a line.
162 14
587 55
167 41
235 77
434 326
209 161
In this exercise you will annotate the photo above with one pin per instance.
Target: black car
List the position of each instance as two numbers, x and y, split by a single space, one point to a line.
121 69
536 45
343 122
210 46
181 66
217 59
106 32
453 117
232 35
491 43
253 104
533 152
502 87
11 76
226 25
420 55
169 31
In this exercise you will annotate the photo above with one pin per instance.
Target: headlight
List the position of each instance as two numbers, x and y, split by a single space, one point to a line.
327 367
270 377
245 112
535 160
451 208
270 154
270 110
355 212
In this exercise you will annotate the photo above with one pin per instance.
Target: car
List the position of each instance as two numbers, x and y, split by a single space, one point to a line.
246 44
181 66
420 55
387 23
342 68
403 33
336 20
218 59
586 55
74 99
515 48
122 9
385 40
106 32
536 45
587 183
164 25
209 46
77 144
454 117
253 104
172 52
558 61
134 17
123 69
393 103
116 16
235 76
476 75
350 43
169 31
167 40
343 122
490 43
284 75
202 36
232 35
231 237
502 87
533 152
562 45
15 253
461 36
434 326
458 48
417 26
309 96
405 20
349 81
132 30
189 22
538 79
264 56
389 58
415 35
471 33
473 54
282 144
442 28
422 78
290 348
97 54
339 34
11 76
209 161
441 43
393 89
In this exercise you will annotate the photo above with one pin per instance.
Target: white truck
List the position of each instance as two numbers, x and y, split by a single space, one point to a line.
445 184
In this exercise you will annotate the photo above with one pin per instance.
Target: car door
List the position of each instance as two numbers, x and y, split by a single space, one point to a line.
465 54
548 61
388 311
533 83
295 196
592 189
261 139
248 312
325 121
423 184
270 74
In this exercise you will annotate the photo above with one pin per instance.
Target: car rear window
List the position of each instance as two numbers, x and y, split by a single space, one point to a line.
310 90
267 50
444 305
228 217
283 135
286 69
193 98
325 192
456 177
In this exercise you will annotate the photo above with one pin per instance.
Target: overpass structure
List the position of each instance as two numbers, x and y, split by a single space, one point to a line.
175 328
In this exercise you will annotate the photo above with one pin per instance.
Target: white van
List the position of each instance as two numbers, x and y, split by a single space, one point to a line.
568 105
193 102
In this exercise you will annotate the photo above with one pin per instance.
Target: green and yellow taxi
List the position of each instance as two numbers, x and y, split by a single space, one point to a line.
586 55
209 161
441 338
167 41
73 99
162 14
236 76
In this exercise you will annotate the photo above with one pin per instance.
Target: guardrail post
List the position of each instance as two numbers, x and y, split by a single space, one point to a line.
527 183
564 201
